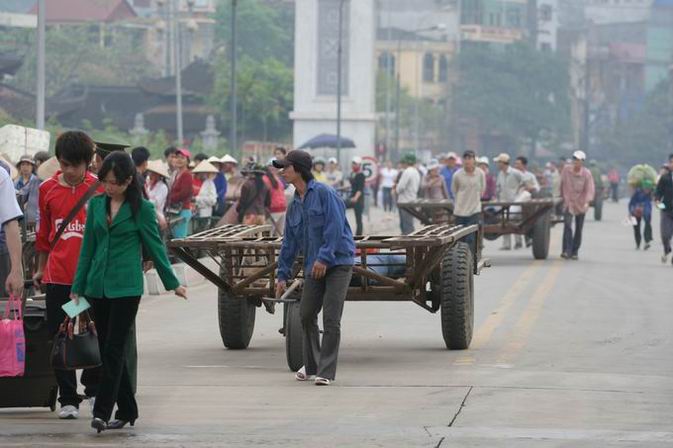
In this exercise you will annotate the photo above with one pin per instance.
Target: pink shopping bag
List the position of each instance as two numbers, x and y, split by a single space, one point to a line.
12 340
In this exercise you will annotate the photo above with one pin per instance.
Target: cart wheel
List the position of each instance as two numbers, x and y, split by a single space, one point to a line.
236 316
541 237
294 345
598 208
457 296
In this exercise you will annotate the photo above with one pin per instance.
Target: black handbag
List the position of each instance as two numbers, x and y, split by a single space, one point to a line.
72 351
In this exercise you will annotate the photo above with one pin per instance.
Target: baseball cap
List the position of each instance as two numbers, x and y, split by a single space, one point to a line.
105 147
502 157
483 160
25 158
184 152
579 155
298 158
333 160
452 155
357 160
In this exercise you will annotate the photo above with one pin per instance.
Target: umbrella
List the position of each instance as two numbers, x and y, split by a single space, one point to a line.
327 141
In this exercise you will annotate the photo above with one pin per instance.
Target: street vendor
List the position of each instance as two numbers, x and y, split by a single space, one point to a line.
316 226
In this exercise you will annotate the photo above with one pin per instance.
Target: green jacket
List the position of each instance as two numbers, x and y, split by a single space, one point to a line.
110 262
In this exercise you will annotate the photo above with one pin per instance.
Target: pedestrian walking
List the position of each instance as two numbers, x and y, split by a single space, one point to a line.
433 185
317 227
157 190
388 178
278 202
577 190
530 185
58 243
28 190
335 178
406 189
640 210
120 225
614 179
451 161
206 199
141 157
356 198
255 197
181 193
509 183
11 265
491 187
663 196
468 185
319 170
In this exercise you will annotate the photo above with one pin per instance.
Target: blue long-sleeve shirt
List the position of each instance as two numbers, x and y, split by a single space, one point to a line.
447 173
221 187
641 199
317 228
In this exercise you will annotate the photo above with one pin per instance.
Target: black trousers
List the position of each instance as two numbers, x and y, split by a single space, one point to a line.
358 208
648 230
114 318
387 199
57 296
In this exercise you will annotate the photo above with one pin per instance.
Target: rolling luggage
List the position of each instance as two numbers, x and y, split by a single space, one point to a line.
37 387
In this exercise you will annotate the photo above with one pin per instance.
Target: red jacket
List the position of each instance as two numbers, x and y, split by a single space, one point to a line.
182 191
278 201
55 203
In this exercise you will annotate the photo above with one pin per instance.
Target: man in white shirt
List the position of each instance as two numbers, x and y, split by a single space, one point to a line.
407 190
509 183
532 186
10 237
388 178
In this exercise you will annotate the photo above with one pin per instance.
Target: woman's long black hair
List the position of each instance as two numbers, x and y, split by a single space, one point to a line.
123 169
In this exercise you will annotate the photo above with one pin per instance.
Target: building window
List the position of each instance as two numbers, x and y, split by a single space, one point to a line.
545 13
428 68
387 63
514 17
443 69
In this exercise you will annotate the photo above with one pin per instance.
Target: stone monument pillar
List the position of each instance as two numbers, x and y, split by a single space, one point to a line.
315 74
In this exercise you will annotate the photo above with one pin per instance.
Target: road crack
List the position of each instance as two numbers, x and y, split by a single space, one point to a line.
460 409
440 442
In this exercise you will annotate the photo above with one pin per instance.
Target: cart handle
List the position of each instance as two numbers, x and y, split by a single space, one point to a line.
284 298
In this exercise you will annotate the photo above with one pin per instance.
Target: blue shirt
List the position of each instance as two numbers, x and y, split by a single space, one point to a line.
221 187
447 174
317 227
641 199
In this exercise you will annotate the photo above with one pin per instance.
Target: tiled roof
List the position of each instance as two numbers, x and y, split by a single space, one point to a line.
75 11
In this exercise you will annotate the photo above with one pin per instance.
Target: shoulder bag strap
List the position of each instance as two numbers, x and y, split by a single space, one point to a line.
73 212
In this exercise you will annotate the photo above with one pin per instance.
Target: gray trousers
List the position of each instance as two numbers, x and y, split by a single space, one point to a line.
406 222
666 231
328 294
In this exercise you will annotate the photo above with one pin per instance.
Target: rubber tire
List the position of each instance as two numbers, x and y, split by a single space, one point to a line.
236 317
598 209
457 297
294 343
541 237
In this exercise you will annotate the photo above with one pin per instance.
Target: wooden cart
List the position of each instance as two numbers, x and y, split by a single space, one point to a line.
430 211
432 268
532 218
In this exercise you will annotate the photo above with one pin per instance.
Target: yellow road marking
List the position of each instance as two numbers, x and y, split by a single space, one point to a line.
495 318
531 313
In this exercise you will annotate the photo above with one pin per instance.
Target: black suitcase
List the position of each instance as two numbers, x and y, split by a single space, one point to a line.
37 388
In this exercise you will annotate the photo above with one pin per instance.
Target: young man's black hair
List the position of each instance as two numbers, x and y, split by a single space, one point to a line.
170 150
140 155
523 160
281 149
469 153
200 157
75 147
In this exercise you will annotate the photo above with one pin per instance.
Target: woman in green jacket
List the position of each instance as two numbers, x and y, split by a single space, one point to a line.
119 225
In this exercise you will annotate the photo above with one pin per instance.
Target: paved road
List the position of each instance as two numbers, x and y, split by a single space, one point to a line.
565 354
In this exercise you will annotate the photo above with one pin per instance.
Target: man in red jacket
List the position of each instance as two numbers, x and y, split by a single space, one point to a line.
57 260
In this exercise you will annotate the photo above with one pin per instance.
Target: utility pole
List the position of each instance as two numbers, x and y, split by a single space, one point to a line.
587 104
232 80
339 76
389 80
178 71
41 38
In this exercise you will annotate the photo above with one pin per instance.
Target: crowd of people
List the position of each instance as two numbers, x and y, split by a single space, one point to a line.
99 213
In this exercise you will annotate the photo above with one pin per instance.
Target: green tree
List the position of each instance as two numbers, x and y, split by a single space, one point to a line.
516 91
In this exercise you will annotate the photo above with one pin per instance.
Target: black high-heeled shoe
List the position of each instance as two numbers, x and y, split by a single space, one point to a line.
119 424
99 425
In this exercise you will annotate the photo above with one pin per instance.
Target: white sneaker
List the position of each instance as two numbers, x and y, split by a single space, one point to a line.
302 376
664 258
68 412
